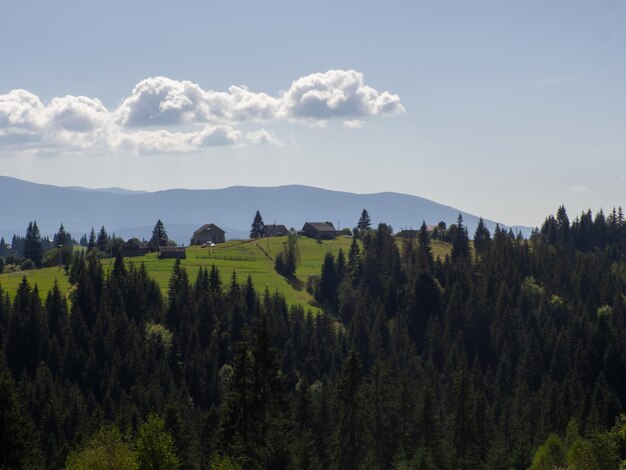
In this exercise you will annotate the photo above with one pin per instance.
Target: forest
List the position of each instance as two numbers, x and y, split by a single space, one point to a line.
508 353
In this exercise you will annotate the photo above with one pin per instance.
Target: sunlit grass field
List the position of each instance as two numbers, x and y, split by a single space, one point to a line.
249 257
44 279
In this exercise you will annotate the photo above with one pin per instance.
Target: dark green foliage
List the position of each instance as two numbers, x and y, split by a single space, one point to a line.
159 236
481 237
256 230
33 248
365 222
462 362
287 260
91 244
102 242
460 240
19 442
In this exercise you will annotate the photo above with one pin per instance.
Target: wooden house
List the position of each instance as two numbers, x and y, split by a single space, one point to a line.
275 230
208 233
175 252
133 247
319 230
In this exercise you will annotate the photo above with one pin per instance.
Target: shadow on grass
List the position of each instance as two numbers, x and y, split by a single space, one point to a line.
294 282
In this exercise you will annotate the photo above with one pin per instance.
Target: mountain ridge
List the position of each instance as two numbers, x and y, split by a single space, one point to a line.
232 207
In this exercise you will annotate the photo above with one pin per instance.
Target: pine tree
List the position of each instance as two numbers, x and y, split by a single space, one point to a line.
159 236
481 237
365 222
102 241
61 238
327 294
425 251
460 242
351 436
256 231
33 249
91 244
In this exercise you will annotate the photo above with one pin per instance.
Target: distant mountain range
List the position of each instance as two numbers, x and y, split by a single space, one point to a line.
134 213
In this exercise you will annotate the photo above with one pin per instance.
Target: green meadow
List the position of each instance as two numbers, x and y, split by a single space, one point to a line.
44 279
254 258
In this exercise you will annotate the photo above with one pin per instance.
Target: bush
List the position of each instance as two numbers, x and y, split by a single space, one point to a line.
27 265
1 264
313 284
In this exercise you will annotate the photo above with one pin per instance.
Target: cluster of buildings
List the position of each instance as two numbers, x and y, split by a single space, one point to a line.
211 234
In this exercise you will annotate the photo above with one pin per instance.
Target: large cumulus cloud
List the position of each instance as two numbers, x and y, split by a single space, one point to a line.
337 94
166 115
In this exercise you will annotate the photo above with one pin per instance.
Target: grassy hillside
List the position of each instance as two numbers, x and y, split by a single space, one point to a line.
248 257
44 279
254 258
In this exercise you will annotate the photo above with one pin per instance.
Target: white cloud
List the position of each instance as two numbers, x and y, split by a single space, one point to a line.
162 101
163 141
166 115
263 137
77 113
579 189
353 124
337 94
20 109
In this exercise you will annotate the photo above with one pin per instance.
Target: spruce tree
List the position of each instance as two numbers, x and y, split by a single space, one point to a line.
256 231
365 222
102 241
33 249
159 236
61 238
481 237
91 244
460 242
351 436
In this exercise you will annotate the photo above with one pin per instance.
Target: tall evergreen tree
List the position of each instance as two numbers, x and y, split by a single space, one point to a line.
364 221
159 236
102 242
33 249
256 231
61 238
351 436
460 243
91 244
481 237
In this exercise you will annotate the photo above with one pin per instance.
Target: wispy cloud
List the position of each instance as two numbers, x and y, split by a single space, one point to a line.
166 115
552 81
579 188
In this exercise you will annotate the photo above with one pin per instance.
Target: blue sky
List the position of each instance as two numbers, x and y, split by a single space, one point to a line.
504 109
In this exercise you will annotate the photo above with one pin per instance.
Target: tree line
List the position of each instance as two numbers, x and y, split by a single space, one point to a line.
508 353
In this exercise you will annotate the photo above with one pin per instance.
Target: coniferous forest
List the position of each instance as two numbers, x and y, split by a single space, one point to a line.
509 353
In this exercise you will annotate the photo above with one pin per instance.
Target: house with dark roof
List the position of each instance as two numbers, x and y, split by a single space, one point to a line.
176 252
208 233
318 230
275 230
133 247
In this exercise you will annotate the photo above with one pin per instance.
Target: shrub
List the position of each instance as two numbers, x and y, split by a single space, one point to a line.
27 265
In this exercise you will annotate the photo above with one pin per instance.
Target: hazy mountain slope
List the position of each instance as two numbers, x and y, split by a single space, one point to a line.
231 208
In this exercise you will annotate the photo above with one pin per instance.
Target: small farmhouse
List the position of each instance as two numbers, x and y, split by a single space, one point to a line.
133 247
208 233
176 252
275 230
318 230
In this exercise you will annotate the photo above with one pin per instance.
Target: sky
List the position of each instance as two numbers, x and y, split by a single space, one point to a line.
505 109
